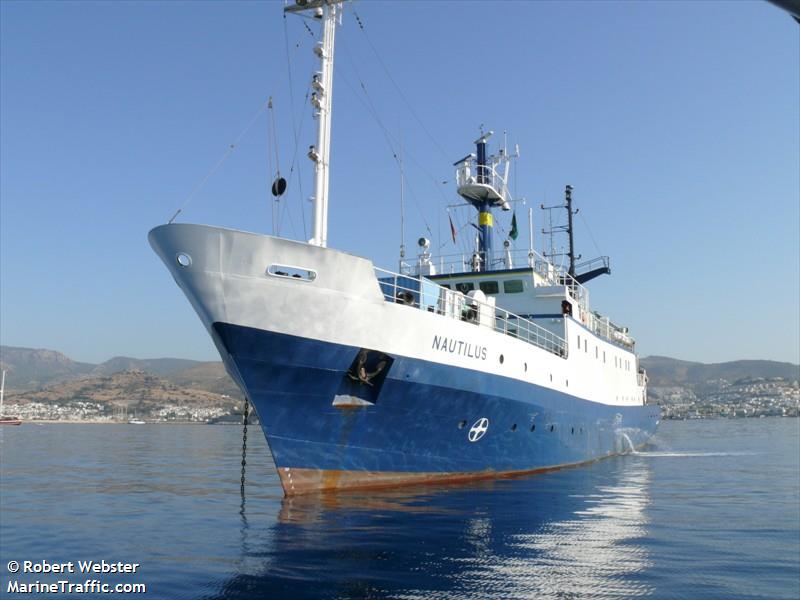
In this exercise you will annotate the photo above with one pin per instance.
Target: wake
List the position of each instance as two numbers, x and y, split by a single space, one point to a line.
657 454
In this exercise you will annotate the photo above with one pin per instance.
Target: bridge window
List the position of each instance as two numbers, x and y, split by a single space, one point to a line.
489 287
513 286
465 286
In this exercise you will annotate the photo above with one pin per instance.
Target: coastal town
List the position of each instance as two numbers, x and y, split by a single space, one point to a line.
752 397
96 412
154 401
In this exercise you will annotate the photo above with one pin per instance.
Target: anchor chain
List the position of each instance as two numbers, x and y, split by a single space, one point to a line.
244 438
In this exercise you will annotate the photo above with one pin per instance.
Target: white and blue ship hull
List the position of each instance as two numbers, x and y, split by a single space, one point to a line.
454 400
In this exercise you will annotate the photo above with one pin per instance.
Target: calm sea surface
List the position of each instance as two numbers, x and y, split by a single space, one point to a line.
710 510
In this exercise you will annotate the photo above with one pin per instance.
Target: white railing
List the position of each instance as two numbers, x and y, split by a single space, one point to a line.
425 295
467 174
462 263
550 274
603 327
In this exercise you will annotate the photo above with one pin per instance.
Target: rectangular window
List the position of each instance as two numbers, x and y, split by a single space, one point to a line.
586 346
292 272
465 286
445 285
596 351
604 357
513 286
579 342
489 287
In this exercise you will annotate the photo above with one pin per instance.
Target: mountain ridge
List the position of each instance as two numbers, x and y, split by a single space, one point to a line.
37 368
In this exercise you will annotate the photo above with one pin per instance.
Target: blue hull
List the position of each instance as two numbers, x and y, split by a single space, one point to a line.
415 423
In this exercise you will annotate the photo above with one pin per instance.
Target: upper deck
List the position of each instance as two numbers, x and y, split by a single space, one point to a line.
523 282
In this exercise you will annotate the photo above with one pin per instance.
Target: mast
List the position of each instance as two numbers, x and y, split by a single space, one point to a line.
485 217
321 99
592 268
2 391
571 253
480 184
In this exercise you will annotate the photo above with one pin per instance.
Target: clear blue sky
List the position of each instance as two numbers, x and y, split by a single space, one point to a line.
677 123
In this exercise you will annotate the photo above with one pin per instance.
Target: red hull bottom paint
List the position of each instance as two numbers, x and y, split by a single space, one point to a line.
305 481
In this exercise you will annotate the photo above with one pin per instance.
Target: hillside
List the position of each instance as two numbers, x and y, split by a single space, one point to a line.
156 366
121 396
31 368
664 371
209 376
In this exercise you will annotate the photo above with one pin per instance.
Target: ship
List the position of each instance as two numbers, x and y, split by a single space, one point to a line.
447 369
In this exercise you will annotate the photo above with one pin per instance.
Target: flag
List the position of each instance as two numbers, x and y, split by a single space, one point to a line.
452 229
514 233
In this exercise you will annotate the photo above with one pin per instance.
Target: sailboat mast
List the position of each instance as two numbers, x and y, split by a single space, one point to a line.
2 391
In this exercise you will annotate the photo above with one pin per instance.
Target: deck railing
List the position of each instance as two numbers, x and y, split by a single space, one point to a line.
603 327
426 295
502 260
551 274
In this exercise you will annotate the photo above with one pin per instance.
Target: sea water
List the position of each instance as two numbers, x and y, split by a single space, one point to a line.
711 509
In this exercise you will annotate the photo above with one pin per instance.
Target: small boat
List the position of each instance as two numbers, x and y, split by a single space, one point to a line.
136 422
6 420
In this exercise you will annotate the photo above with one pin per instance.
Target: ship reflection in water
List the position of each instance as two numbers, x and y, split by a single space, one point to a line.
572 533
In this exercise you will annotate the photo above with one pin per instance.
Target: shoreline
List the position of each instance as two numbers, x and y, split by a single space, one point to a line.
237 423
96 422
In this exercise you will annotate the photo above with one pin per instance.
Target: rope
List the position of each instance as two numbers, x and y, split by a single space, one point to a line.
224 157
294 120
396 86
244 439
585 222
390 141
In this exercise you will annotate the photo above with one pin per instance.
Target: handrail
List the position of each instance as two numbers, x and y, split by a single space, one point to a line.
550 274
430 297
462 263
594 263
469 171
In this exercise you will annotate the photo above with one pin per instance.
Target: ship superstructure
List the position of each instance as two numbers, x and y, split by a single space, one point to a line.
454 368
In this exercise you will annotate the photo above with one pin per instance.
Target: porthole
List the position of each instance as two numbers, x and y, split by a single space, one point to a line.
502 358
183 259
526 367
572 431
552 427
462 424
551 377
533 427
514 427
567 382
